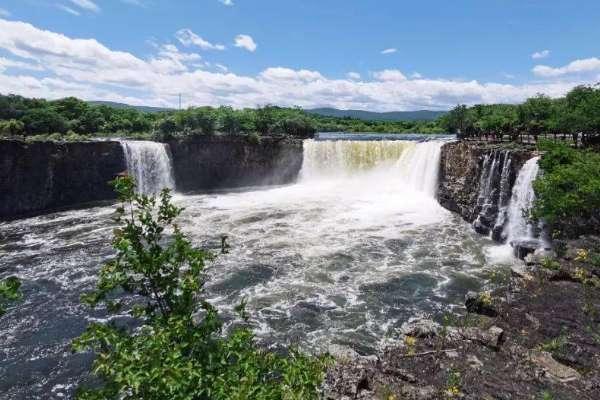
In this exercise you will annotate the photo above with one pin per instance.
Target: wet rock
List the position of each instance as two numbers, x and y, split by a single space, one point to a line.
342 352
553 369
481 228
522 248
491 338
420 328
538 256
478 303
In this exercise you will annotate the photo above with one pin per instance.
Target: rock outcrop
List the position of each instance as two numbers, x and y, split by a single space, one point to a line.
476 181
42 176
47 175
210 162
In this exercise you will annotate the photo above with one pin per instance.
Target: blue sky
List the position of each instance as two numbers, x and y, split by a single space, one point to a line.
374 55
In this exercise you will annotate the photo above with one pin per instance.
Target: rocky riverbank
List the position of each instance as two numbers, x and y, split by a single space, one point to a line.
537 336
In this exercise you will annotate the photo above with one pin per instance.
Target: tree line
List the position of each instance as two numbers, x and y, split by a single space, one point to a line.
72 118
575 116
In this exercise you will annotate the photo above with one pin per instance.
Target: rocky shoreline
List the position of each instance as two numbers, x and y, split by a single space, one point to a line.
536 336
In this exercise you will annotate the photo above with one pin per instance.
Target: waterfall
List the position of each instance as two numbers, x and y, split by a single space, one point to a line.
494 193
518 227
411 164
149 164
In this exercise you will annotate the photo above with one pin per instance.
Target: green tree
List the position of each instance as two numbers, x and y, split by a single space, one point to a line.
172 354
43 121
264 119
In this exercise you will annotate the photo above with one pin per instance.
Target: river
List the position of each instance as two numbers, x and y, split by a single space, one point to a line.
345 255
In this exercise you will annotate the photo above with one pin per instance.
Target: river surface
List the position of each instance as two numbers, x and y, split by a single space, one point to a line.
345 255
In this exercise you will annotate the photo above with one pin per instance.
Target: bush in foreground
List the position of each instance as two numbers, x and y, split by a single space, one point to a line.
178 350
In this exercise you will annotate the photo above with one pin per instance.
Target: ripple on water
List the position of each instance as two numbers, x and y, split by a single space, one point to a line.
346 263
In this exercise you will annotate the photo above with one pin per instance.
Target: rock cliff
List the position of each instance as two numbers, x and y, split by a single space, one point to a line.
42 176
210 162
47 175
476 182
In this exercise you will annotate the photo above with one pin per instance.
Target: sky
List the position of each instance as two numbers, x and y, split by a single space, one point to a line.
384 55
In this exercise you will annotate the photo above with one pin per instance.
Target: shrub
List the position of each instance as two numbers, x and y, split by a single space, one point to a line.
568 190
253 138
170 354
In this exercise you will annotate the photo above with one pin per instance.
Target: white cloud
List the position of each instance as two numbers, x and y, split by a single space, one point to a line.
68 9
540 54
245 42
355 76
221 67
389 51
88 5
508 76
88 69
291 75
577 67
134 2
389 75
227 2
189 38
4 13
416 75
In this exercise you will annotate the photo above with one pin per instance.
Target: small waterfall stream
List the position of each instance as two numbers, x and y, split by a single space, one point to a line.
494 193
518 226
149 164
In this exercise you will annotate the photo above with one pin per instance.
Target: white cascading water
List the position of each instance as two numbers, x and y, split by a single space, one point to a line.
518 226
345 255
149 164
407 163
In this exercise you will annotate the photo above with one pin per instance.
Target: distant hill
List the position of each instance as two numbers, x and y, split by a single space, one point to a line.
421 115
123 105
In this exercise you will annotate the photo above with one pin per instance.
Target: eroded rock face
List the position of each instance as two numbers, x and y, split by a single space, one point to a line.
43 176
210 162
476 181
47 175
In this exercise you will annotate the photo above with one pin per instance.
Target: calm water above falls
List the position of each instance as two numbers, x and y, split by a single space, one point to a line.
345 256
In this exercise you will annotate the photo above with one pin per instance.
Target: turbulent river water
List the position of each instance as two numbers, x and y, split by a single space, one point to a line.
345 255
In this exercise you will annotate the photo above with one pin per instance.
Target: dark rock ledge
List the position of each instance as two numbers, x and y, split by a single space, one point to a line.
542 341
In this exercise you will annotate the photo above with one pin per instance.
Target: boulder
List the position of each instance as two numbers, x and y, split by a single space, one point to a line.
478 303
553 369
491 338
342 352
420 328
522 248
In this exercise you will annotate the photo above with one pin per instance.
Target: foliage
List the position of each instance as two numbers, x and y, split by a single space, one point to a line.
20 116
9 292
177 349
569 187
576 114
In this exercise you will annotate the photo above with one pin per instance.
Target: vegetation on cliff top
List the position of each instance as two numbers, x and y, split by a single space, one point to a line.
71 118
578 113
177 349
